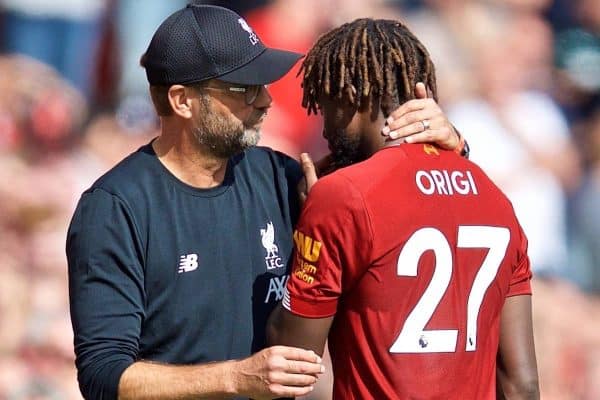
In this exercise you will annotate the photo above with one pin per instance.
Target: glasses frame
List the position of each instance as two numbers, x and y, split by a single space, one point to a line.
251 91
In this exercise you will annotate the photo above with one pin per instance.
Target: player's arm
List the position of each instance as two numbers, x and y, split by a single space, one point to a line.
333 243
517 367
285 328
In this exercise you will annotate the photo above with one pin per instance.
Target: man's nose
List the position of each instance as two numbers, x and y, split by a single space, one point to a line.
264 98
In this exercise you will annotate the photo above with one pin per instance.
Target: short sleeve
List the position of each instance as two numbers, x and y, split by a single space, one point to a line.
332 246
520 283
106 292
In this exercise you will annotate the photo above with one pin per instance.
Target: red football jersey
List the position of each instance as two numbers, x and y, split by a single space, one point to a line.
414 250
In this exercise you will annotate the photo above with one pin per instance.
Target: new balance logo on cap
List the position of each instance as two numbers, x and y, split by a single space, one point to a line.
188 263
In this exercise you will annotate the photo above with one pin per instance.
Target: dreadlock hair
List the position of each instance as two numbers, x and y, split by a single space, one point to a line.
363 60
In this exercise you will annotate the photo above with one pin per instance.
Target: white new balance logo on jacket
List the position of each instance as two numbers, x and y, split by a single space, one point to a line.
188 263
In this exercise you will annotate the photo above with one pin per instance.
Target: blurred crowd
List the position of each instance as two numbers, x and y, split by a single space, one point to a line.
519 78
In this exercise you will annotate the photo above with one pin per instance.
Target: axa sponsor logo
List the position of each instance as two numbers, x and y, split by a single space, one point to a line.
188 263
276 288
272 260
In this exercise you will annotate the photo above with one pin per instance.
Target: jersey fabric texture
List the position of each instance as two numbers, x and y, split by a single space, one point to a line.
162 271
405 248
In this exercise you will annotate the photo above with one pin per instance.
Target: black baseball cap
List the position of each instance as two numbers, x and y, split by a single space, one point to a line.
201 42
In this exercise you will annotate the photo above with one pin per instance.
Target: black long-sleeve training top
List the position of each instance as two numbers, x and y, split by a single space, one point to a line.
162 271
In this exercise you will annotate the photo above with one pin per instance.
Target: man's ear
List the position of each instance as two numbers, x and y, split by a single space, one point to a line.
180 101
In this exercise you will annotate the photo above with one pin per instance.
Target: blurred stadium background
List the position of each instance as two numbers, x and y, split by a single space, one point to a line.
519 78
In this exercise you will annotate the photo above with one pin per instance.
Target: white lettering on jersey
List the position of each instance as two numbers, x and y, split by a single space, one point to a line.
277 287
445 182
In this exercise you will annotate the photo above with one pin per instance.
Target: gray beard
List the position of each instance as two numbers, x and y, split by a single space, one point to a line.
221 136
225 145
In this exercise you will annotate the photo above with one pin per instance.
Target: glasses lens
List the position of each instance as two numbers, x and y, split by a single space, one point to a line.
252 93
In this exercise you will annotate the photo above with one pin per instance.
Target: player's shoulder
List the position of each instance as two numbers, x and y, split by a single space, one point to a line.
359 182
490 192
436 171
367 173
482 177
338 190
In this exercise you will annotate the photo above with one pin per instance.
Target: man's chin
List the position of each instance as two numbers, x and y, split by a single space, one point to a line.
251 137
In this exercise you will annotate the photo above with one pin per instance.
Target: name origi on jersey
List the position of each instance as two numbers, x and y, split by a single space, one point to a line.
445 182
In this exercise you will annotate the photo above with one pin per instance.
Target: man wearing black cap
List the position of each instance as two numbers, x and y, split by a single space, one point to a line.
179 253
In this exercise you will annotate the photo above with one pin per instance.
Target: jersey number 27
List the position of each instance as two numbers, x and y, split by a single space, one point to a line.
413 337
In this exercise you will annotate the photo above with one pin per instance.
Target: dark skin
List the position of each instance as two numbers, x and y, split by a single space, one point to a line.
517 367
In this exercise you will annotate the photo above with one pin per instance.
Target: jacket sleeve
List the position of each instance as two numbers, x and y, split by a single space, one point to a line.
106 292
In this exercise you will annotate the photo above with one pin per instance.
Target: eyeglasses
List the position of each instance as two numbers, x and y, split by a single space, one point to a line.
251 91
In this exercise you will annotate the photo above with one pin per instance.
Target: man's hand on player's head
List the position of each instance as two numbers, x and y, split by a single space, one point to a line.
420 121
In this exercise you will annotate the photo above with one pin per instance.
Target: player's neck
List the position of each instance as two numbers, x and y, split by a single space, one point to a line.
392 142
371 122
180 153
